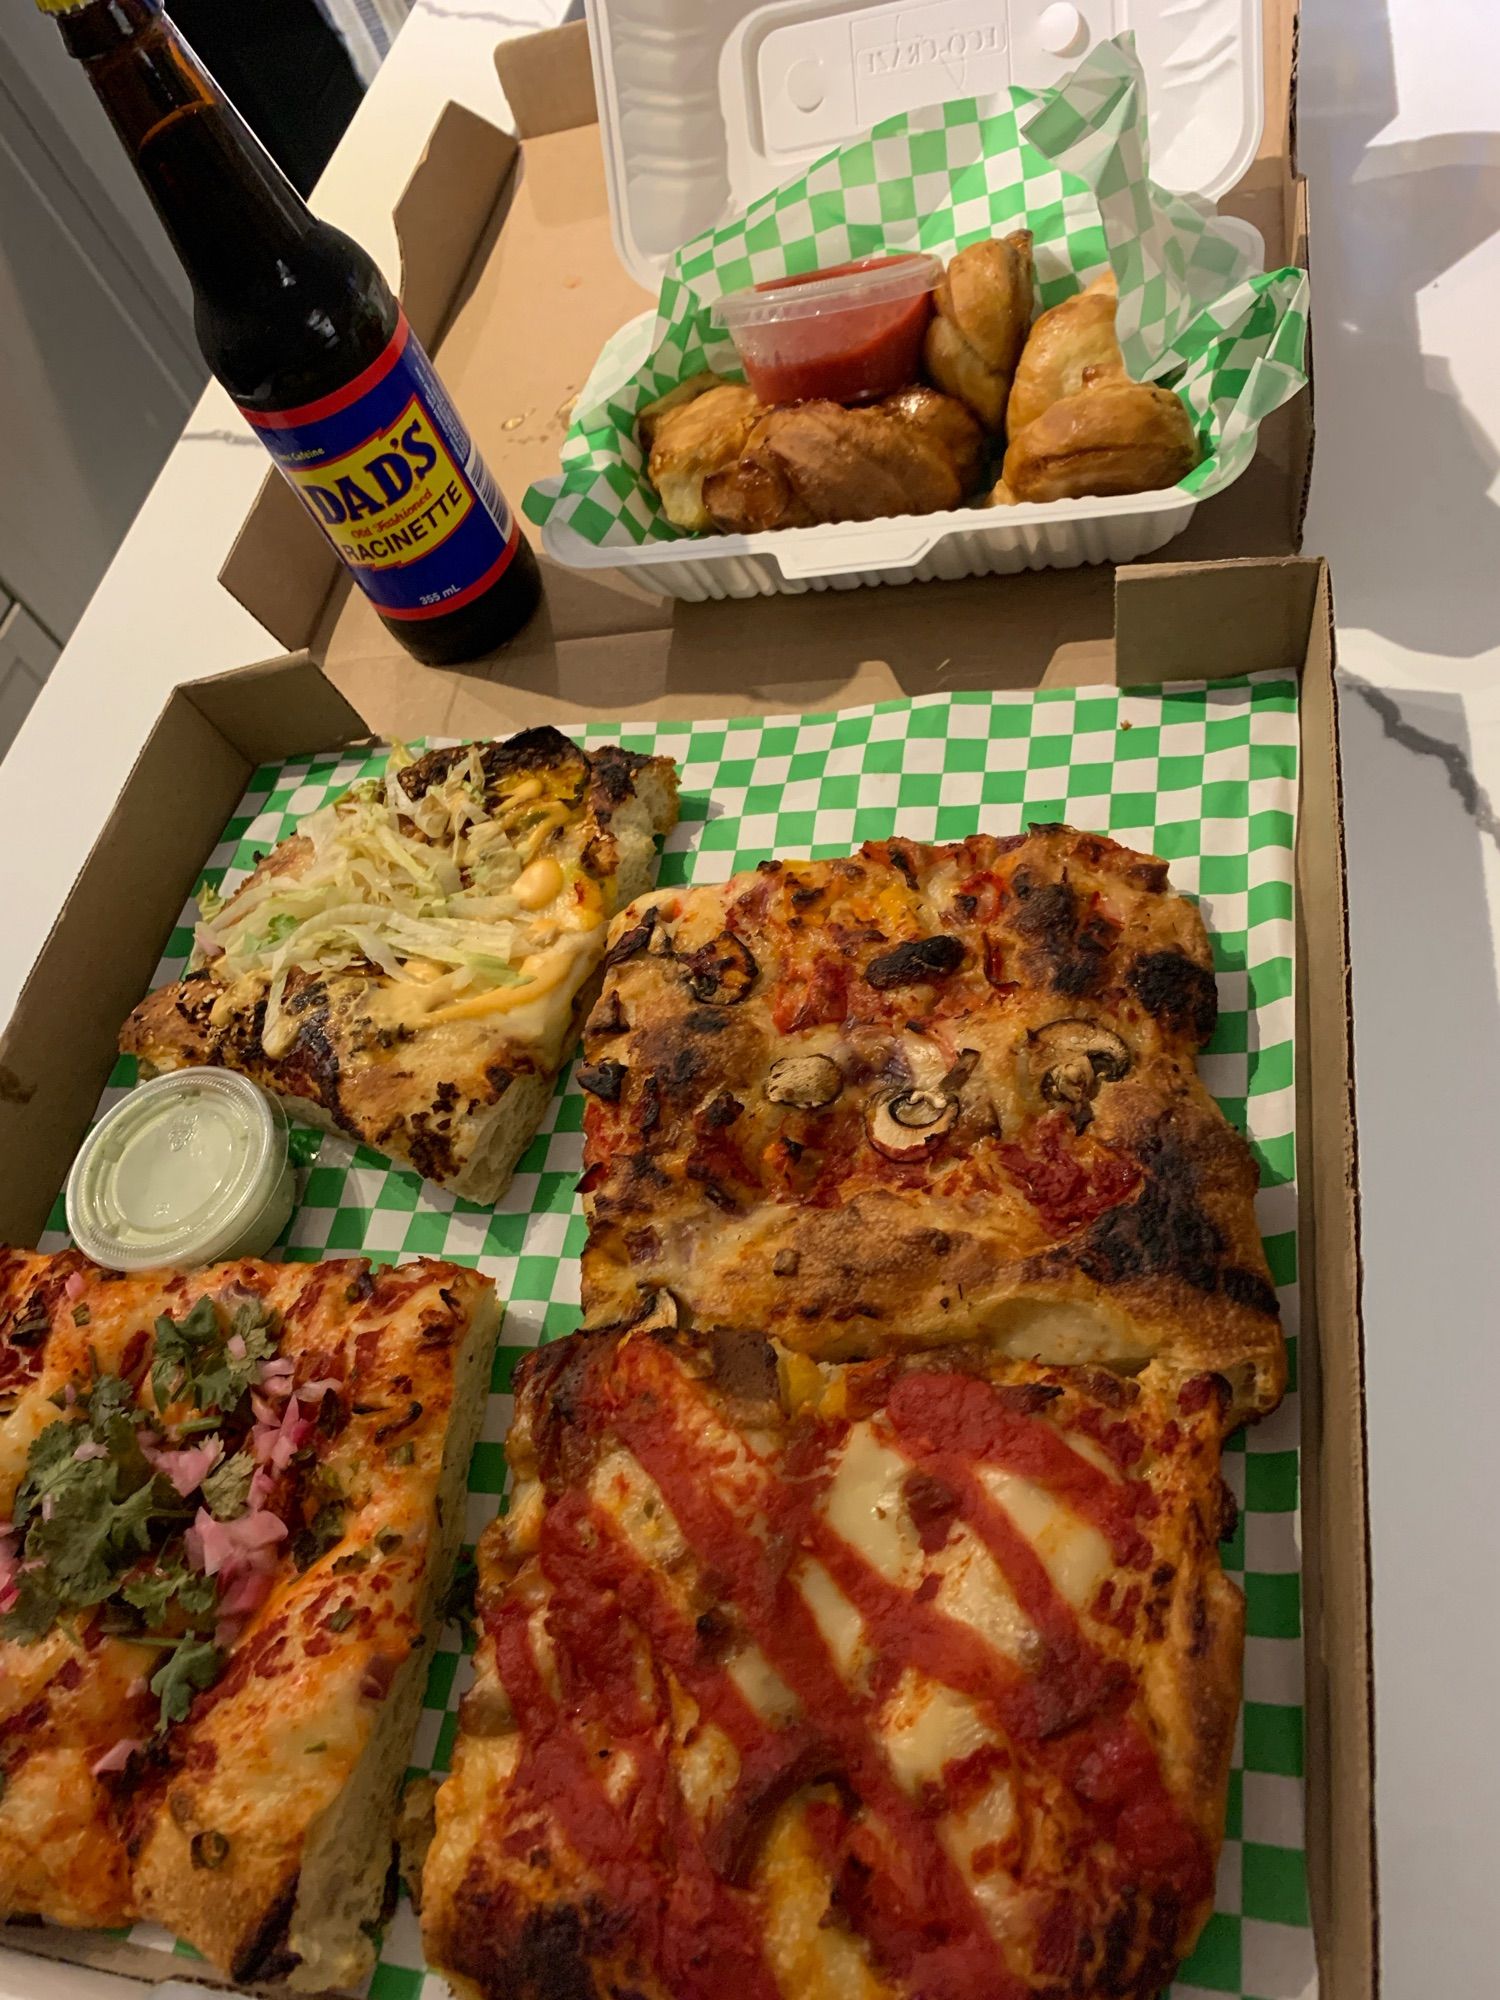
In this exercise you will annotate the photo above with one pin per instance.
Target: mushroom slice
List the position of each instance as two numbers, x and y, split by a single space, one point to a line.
603 1080
657 1314
807 1082
915 961
720 972
1075 1057
631 941
906 1127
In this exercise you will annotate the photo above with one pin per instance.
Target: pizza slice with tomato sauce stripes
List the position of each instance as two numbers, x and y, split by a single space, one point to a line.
811 1680
924 1094
229 1506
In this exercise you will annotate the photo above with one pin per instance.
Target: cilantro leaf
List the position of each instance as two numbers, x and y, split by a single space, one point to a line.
50 1467
152 1591
34 1612
89 1534
227 1487
179 1344
193 1362
194 1664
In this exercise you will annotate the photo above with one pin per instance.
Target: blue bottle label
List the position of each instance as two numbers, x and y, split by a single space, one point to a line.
392 478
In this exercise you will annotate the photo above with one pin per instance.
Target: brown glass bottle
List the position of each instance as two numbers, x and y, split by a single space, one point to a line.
296 321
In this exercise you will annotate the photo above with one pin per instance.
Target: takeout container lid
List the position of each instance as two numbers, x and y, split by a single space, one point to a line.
875 281
704 107
187 1169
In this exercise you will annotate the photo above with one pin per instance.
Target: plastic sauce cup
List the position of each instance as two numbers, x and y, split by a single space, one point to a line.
851 335
191 1168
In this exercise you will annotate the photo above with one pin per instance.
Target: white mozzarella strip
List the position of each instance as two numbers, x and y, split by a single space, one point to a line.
622 1488
1076 1555
864 1505
707 1767
925 1726
839 1622
973 1588
761 1685
810 1954
967 1837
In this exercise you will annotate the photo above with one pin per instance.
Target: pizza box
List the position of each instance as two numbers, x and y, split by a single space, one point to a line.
1146 626
500 239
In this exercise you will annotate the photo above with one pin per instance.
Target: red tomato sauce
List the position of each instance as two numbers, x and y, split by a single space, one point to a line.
850 354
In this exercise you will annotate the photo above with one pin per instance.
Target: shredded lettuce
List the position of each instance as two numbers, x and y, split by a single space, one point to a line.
421 888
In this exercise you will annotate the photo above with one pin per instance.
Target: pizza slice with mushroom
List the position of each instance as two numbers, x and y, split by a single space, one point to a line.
927 1094
912 1679
229 1506
411 966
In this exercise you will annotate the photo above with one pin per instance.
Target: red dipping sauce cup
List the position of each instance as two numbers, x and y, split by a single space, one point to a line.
851 335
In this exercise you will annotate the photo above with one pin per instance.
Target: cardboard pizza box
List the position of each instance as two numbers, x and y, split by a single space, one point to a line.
1270 613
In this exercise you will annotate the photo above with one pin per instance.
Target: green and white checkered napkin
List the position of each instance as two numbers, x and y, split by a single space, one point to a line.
1204 775
1070 164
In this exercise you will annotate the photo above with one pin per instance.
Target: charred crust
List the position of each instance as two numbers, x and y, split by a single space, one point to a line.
1249 1289
1177 992
540 749
554 1952
267 1953
1068 950
914 962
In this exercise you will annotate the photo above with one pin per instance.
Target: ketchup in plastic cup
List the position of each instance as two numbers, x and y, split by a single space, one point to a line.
851 335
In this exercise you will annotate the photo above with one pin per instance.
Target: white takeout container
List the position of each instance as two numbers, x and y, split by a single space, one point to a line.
705 104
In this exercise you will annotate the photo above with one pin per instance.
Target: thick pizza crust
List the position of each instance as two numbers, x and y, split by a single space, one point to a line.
524 1897
460 1101
1114 1225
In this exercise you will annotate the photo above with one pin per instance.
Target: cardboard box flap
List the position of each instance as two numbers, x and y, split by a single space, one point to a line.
548 80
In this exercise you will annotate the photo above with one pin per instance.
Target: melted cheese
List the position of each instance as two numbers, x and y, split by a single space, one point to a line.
1076 1555
761 1685
926 1726
623 1489
973 1588
811 1955
837 1619
865 1506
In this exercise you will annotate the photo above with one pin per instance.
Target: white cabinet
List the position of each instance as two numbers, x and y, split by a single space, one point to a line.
98 368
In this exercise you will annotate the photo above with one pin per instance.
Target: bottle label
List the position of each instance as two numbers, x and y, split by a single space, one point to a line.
391 476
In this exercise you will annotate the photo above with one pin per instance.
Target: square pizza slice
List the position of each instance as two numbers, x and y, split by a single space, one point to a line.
231 1501
841 1681
924 1094
411 965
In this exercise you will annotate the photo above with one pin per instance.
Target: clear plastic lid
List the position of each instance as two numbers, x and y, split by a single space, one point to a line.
177 1172
876 281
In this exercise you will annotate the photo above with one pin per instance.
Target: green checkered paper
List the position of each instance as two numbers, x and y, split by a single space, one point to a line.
1073 166
1202 774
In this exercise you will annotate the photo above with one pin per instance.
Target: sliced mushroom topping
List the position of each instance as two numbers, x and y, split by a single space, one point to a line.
632 941
1075 1057
722 971
916 960
807 1082
658 1313
608 1018
603 1080
906 1127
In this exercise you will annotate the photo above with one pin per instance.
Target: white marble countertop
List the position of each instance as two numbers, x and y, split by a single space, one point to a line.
1400 139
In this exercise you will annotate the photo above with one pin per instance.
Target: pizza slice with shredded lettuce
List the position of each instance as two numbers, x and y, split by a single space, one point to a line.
411 966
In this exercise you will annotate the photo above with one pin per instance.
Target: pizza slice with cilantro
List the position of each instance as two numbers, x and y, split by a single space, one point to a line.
229 1506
